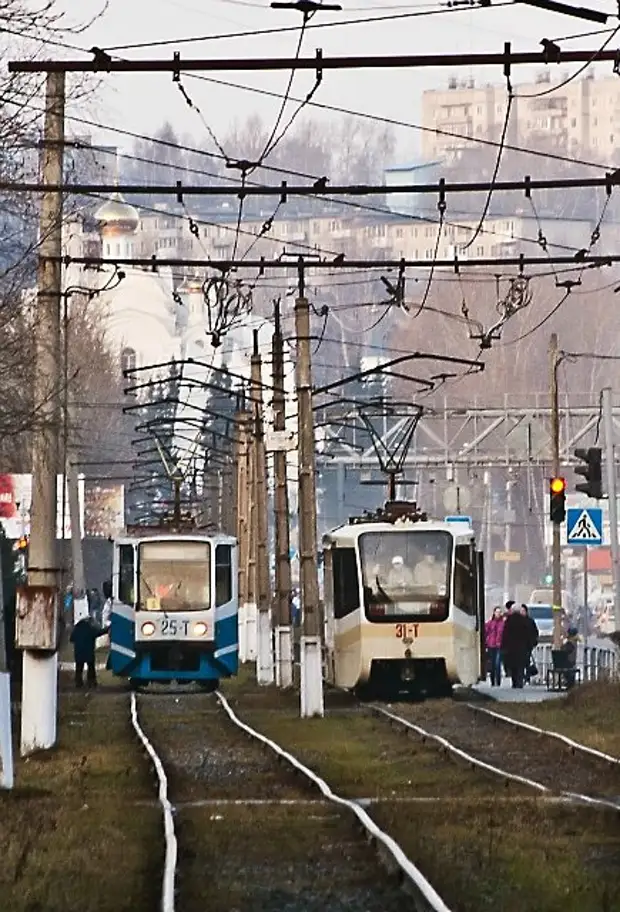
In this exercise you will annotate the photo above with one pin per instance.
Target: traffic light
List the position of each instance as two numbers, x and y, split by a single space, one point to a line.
557 500
591 471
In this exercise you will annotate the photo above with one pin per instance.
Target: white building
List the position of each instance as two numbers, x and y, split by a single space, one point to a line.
151 319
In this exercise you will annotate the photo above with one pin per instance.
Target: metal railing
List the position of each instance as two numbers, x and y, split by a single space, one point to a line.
599 660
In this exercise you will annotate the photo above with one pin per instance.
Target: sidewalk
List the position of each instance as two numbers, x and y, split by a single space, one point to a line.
531 693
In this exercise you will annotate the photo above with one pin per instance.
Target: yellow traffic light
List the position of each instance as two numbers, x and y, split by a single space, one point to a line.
558 485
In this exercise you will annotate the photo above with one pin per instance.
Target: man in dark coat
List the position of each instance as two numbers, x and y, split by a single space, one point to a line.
84 636
516 646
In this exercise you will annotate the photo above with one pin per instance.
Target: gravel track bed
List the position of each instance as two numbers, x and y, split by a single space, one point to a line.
268 857
516 750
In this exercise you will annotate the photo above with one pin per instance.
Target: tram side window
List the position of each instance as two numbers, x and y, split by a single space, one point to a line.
223 574
346 585
125 574
464 579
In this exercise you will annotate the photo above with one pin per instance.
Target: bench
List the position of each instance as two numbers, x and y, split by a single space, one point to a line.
562 675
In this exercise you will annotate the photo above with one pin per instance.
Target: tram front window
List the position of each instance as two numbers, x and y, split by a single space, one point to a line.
174 576
406 575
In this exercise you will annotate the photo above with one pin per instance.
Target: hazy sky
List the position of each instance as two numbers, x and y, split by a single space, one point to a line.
141 102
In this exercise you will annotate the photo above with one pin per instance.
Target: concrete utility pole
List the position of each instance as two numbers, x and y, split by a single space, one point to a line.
80 599
311 639
6 739
251 573
37 620
282 601
243 529
264 658
507 537
608 424
556 545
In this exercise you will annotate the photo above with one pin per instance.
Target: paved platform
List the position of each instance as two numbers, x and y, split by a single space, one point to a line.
505 693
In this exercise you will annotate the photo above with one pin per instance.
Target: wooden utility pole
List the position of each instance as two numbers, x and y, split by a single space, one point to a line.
311 640
264 657
242 454
282 598
37 627
612 487
556 544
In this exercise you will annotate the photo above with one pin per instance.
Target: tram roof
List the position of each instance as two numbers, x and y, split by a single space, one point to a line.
350 532
137 535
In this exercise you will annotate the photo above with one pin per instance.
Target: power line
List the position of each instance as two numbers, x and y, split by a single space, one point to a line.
293 28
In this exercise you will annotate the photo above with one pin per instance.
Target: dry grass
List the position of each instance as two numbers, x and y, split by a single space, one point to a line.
81 831
590 714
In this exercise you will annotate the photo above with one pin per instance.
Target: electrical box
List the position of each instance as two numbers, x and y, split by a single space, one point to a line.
36 620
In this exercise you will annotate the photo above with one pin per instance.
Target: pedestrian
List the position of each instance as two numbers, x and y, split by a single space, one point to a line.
530 669
569 648
493 637
516 640
84 636
507 612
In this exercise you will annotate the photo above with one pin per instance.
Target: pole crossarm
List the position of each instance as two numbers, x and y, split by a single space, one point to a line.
102 62
284 189
403 359
456 263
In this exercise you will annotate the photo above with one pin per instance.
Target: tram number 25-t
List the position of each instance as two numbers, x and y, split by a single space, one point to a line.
406 631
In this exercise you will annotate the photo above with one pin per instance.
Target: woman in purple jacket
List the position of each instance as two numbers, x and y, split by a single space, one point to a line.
493 631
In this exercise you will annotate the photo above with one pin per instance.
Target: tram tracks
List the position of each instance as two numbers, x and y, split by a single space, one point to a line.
242 830
546 762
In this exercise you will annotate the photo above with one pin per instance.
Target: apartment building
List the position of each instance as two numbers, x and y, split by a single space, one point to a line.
581 116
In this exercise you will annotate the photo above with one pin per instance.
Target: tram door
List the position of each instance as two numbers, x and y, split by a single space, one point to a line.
480 612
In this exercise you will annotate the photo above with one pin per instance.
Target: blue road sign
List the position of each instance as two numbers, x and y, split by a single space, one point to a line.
584 526
458 519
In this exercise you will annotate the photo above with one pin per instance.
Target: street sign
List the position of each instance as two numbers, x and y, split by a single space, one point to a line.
280 441
584 526
456 497
466 520
511 557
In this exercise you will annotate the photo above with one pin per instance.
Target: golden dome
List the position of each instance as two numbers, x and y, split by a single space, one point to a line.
115 213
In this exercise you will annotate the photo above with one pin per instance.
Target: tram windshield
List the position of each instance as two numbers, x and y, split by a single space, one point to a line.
174 576
406 574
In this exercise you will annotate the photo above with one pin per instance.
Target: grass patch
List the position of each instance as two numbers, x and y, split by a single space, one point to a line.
525 856
81 831
589 713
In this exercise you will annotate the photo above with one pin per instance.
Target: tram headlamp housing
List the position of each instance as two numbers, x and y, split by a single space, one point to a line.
200 629
148 628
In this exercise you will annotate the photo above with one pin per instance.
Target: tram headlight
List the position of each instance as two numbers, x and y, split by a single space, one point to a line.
200 629
148 628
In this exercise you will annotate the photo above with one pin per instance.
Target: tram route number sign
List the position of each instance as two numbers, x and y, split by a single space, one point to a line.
407 631
174 627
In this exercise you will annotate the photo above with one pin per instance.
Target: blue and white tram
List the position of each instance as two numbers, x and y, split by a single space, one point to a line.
404 604
175 607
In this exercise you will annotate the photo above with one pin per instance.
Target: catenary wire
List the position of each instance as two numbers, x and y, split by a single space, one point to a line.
289 28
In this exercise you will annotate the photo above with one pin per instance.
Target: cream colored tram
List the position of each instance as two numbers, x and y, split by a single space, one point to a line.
404 604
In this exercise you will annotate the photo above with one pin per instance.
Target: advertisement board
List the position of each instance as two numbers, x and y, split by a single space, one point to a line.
102 507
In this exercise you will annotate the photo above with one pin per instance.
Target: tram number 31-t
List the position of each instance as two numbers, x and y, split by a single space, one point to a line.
407 631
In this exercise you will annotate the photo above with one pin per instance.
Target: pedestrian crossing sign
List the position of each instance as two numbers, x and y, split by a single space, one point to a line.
584 526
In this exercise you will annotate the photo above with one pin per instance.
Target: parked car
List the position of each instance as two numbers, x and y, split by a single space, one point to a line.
543 615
